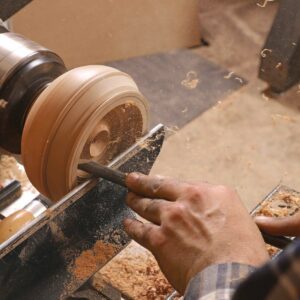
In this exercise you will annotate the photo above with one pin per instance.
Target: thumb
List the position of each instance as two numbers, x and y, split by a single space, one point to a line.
289 226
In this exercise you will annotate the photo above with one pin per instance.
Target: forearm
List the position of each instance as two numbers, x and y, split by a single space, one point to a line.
217 282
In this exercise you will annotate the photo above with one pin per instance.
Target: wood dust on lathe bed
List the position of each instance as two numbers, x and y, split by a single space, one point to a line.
90 260
136 274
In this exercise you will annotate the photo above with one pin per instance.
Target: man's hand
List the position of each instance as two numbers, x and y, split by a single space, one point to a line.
191 226
289 226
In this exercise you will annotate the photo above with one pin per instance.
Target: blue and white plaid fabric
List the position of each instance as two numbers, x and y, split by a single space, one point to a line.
279 279
217 282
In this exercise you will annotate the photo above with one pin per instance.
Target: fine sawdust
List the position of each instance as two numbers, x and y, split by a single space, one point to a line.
91 260
136 274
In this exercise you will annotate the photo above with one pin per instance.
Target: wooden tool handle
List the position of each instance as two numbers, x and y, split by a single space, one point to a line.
13 223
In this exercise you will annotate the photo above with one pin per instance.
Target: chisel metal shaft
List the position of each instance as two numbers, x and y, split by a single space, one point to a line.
104 172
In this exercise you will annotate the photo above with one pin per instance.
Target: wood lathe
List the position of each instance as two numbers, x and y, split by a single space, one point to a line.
57 120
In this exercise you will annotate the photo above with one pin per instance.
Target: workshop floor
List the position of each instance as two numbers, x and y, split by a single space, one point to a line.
247 141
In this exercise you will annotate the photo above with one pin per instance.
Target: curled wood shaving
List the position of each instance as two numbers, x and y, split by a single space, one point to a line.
265 3
240 80
264 52
229 75
191 81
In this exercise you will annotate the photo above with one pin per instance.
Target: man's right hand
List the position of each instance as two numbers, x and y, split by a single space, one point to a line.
191 226
288 226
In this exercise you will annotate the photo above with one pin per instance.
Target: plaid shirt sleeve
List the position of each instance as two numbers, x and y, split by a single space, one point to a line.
217 282
279 279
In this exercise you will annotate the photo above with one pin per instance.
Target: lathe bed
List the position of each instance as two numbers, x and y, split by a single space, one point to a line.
42 261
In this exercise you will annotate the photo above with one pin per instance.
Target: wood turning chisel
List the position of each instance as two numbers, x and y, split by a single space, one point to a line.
104 172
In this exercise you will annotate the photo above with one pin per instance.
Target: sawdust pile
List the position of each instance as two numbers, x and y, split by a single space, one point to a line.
136 274
282 204
91 260
285 202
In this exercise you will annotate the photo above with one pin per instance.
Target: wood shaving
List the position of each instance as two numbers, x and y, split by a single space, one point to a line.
272 250
265 3
265 97
240 80
222 105
282 204
191 81
264 52
218 105
136 274
91 260
185 110
171 129
229 75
